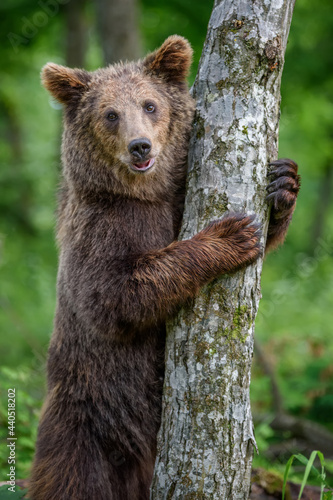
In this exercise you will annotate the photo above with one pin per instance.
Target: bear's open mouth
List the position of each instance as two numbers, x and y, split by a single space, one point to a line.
142 167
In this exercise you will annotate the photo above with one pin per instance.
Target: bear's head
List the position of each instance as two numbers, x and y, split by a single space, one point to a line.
127 125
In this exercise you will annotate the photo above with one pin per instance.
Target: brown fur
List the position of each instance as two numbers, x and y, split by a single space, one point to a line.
121 274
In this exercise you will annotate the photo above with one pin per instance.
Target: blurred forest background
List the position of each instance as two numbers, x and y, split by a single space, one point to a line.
293 365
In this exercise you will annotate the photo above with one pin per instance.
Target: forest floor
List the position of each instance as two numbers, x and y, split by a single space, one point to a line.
265 486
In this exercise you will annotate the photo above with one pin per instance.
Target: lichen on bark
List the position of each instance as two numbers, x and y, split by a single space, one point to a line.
206 439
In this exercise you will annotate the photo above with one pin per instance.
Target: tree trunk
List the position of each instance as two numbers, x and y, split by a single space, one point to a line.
76 33
119 30
269 371
322 206
206 440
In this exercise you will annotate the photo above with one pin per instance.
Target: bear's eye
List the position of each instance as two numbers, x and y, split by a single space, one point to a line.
150 108
112 116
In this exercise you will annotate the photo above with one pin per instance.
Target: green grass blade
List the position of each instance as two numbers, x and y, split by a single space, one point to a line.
307 472
305 462
285 476
323 474
302 459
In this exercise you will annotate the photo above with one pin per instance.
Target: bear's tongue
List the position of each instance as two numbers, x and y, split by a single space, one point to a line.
142 165
145 165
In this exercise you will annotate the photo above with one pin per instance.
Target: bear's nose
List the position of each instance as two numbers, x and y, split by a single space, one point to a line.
140 147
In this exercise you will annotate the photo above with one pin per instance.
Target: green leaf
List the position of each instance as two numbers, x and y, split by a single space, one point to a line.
6 494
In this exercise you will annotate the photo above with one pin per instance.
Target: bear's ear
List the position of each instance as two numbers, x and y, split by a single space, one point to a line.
65 84
171 61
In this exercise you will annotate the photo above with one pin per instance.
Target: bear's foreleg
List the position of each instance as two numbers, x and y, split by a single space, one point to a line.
283 191
162 280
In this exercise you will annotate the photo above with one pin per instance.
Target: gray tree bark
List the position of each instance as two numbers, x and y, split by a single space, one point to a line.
206 440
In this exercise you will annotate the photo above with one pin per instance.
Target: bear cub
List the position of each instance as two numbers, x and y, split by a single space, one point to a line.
122 272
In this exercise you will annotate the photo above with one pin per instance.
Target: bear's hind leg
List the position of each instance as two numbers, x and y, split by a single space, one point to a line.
131 477
69 465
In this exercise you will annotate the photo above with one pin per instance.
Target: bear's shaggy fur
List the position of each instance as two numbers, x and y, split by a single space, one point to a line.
122 272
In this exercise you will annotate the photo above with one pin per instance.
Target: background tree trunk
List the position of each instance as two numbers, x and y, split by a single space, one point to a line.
76 33
118 27
206 439
322 206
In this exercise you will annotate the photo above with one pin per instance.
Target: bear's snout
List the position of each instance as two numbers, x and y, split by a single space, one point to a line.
140 148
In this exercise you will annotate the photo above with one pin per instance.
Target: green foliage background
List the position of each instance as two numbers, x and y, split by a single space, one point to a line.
294 324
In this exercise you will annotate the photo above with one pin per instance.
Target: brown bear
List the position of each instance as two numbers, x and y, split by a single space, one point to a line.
122 272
